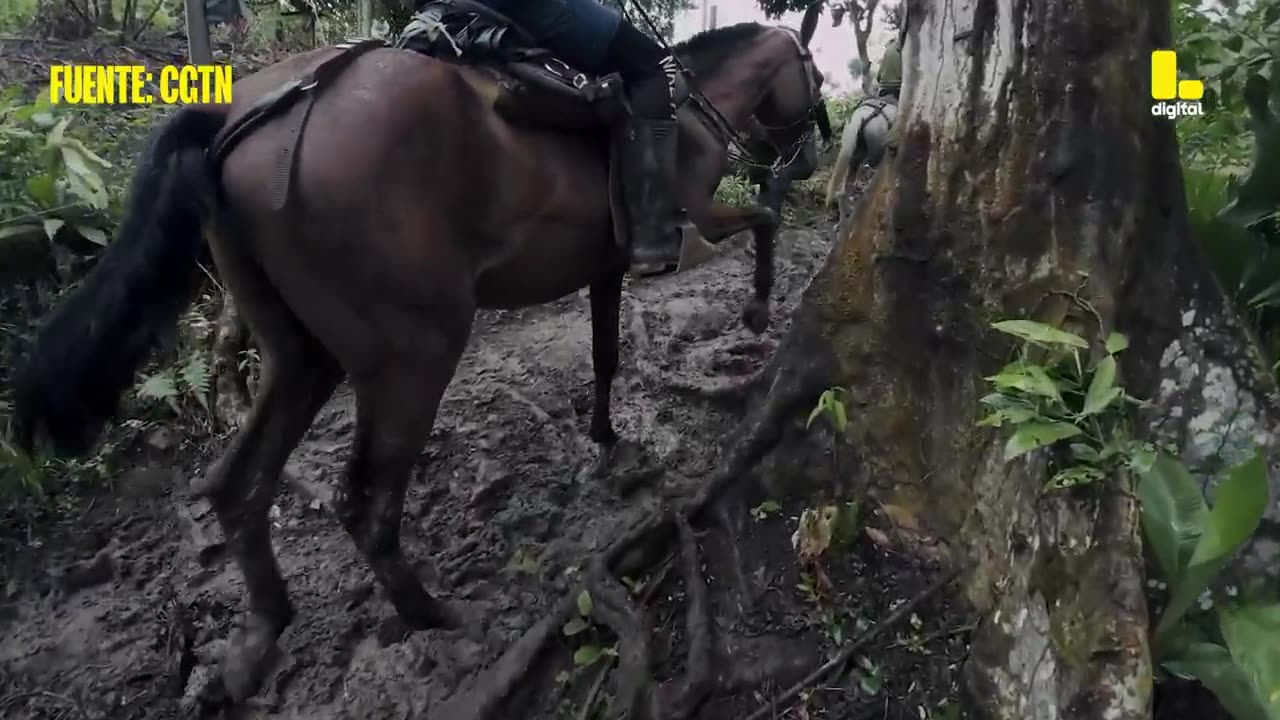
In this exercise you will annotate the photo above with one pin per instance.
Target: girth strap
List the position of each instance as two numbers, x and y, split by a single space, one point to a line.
279 102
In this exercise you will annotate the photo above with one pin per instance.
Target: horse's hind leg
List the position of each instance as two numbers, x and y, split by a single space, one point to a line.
298 377
396 408
606 298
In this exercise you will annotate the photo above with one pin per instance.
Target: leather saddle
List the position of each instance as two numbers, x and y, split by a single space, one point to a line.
534 86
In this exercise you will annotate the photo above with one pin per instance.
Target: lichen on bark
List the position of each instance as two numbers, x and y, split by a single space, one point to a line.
1028 181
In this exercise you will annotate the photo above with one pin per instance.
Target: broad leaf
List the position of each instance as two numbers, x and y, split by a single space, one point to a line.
1241 500
1116 343
1040 333
52 226
587 654
1036 435
574 626
1173 509
1031 379
1213 666
1252 634
1074 476
7 231
1102 389
585 606
92 234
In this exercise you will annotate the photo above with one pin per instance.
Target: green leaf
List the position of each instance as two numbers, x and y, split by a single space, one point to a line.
1172 511
1085 453
1116 343
1014 415
20 229
1028 378
1252 634
43 189
1102 389
770 506
52 226
1213 666
160 386
92 234
575 626
1036 435
584 604
587 655
1241 500
1040 333
1074 476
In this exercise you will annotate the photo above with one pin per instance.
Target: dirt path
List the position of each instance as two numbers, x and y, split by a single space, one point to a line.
509 496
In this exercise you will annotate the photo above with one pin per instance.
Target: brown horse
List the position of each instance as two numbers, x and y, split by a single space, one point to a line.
413 204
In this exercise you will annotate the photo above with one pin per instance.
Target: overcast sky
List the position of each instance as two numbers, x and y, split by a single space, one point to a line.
833 47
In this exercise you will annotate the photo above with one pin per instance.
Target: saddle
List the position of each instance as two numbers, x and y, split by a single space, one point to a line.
534 87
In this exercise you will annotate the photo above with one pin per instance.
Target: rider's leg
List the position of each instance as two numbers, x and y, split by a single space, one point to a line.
594 37
649 146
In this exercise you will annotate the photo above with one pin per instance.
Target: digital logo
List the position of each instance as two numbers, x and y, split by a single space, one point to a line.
1174 98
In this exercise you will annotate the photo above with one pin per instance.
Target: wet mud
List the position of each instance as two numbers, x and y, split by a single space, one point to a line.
121 613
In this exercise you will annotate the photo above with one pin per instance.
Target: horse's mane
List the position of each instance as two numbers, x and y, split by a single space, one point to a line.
709 48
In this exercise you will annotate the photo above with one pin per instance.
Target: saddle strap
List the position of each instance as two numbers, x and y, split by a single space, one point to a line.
283 98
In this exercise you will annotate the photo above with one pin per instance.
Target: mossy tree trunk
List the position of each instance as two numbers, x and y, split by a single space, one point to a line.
1029 180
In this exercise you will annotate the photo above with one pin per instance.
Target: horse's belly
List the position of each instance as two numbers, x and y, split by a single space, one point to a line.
551 261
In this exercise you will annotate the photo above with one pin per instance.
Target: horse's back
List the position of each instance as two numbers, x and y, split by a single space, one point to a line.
405 155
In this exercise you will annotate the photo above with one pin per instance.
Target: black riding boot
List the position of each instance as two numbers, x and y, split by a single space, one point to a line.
648 159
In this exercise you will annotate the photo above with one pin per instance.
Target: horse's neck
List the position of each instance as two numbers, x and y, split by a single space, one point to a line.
733 92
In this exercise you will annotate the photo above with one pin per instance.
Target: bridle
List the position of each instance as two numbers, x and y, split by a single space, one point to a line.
736 140
809 119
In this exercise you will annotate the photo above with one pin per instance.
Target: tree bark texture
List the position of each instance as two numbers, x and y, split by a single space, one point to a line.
1028 175
199 46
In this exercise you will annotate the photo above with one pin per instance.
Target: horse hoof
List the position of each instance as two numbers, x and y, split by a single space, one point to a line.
755 317
250 654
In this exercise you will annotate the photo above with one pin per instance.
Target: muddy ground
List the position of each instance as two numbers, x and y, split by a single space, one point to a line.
119 611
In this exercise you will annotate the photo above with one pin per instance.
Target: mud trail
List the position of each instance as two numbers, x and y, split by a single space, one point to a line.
510 495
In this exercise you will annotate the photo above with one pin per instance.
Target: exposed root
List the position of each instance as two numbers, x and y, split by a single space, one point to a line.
796 380
481 697
634 686
681 698
770 709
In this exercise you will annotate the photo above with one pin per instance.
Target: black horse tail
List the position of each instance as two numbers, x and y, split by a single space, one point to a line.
87 352
823 120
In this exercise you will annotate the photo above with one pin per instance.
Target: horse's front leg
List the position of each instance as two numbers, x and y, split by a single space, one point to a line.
718 221
606 299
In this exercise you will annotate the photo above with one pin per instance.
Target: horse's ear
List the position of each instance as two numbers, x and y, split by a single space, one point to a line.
810 22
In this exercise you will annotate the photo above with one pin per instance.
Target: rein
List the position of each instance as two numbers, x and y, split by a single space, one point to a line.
737 150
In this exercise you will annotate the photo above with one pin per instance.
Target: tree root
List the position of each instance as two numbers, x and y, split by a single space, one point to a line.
795 381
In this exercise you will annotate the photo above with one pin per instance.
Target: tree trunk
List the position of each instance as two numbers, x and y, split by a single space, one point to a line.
364 10
199 46
1027 176
861 32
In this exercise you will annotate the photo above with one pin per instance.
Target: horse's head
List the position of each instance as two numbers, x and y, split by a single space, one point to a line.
763 80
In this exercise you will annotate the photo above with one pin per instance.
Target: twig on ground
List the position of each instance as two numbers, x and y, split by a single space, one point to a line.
845 655
592 694
18 697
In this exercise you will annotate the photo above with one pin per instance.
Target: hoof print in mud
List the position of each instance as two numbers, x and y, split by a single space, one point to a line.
625 466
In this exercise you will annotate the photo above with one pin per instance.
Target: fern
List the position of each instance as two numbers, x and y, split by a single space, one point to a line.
196 376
